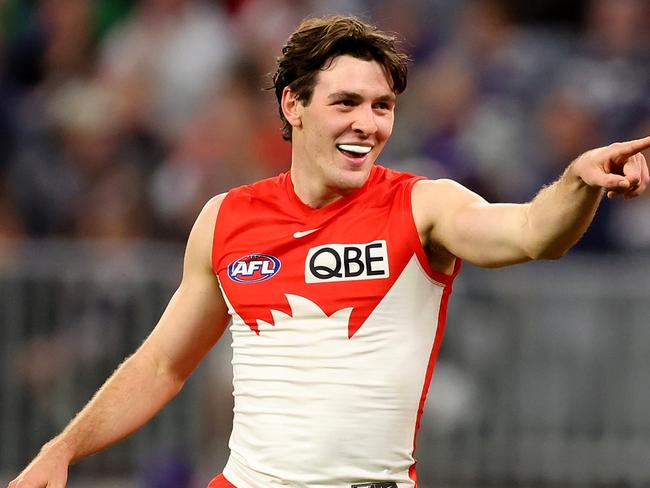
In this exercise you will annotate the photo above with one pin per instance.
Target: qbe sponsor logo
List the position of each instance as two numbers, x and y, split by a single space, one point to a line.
253 268
347 262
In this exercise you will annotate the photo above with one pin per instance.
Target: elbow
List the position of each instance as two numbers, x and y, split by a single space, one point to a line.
551 256
547 253
547 248
165 377
173 381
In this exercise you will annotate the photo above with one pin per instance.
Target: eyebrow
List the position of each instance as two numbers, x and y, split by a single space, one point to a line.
357 97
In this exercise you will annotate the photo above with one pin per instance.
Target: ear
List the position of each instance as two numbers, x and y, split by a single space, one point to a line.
291 107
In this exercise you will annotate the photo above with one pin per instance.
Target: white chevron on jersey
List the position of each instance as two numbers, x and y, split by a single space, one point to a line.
315 408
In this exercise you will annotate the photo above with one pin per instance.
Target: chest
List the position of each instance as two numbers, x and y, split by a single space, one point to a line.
349 258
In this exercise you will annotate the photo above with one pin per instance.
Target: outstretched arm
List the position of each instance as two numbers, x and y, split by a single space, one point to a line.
457 220
191 324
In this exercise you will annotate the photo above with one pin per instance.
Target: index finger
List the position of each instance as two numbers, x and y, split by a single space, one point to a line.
629 148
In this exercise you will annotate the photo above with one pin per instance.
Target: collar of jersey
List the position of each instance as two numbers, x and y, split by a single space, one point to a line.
332 207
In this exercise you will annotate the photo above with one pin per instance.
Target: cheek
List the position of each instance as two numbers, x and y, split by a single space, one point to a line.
386 127
329 127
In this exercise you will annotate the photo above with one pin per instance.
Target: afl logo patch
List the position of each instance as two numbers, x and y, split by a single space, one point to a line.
253 268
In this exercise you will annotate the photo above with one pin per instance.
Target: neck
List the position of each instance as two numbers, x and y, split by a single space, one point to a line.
311 191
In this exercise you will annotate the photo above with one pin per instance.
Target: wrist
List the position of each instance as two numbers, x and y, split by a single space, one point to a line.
61 448
573 173
575 177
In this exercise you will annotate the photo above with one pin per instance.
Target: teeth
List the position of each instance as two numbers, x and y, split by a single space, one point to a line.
354 148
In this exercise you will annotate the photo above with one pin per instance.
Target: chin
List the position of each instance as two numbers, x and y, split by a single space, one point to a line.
352 180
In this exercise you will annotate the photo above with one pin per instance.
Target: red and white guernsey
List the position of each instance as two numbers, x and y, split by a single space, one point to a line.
336 323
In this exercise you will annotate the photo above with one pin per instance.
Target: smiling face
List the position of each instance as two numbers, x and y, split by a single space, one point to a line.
339 133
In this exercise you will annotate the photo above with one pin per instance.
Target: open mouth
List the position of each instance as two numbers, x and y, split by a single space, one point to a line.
354 151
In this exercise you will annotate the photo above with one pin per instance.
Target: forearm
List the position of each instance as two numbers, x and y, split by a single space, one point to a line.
559 215
127 400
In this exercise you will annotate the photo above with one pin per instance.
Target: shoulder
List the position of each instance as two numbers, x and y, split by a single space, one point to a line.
435 200
259 189
427 192
210 210
426 187
199 242
389 185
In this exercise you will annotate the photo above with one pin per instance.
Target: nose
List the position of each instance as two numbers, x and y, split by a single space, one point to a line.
364 122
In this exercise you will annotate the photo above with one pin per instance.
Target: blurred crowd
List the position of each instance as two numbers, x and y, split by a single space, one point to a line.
119 119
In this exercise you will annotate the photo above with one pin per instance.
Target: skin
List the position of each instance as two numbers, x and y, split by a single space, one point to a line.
347 106
352 103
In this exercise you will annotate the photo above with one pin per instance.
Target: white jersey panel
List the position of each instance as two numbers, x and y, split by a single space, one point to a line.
314 408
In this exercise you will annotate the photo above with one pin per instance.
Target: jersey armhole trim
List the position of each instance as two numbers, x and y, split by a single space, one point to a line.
438 277
217 234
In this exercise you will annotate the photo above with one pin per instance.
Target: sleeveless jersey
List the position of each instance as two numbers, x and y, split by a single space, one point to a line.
337 319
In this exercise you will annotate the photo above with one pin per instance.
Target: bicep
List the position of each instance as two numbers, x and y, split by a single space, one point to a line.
197 314
467 226
488 235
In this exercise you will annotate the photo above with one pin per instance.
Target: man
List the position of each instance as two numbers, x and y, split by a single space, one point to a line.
336 276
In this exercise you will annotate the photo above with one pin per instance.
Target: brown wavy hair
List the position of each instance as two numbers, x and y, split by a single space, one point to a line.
317 41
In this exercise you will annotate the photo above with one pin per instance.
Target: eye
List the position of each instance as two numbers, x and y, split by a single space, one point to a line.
346 103
383 106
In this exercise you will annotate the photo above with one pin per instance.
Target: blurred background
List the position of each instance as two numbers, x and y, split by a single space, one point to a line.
119 119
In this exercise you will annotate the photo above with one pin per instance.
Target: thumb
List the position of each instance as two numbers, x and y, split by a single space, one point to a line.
613 182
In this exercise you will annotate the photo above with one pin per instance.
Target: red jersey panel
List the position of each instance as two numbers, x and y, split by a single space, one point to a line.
337 319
